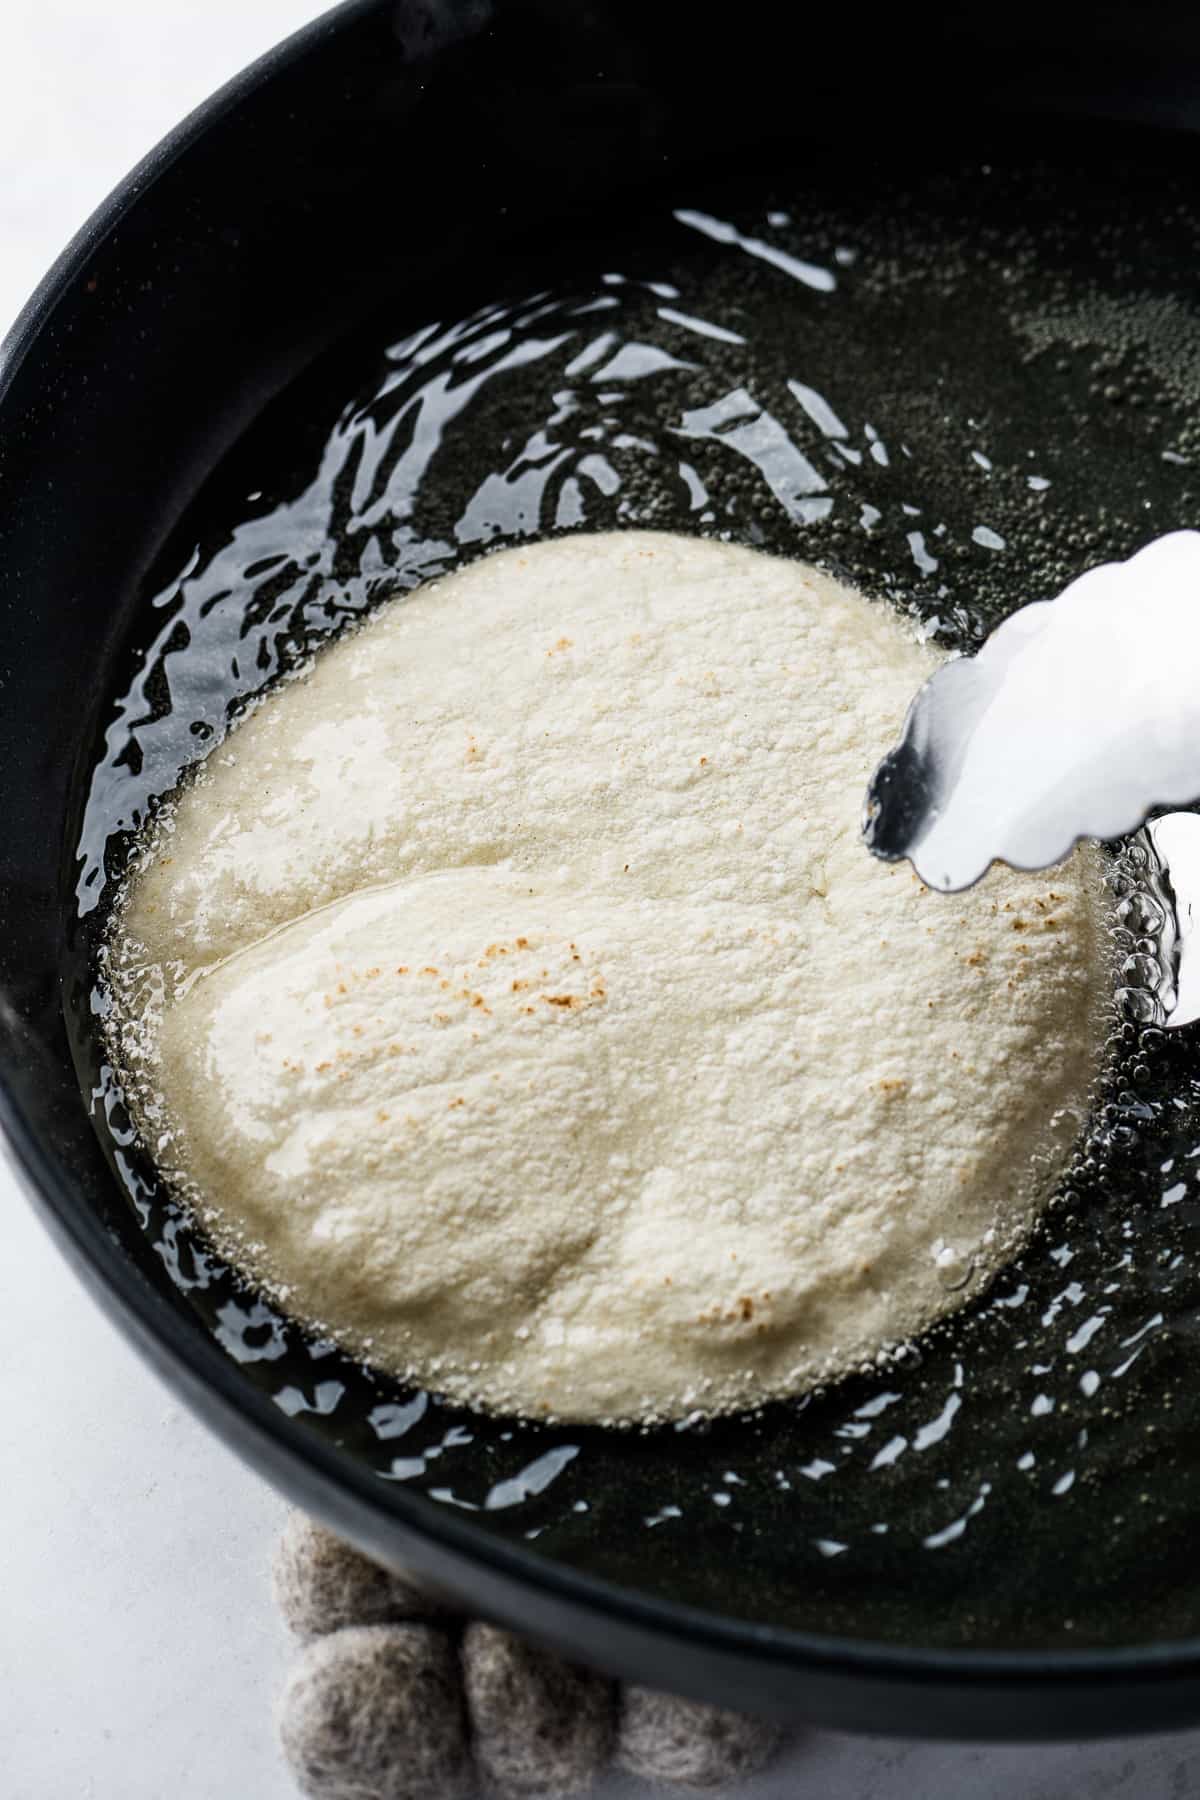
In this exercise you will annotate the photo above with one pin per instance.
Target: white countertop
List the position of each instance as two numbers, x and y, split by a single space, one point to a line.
139 1651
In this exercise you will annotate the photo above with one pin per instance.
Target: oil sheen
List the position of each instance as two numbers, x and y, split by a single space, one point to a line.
952 388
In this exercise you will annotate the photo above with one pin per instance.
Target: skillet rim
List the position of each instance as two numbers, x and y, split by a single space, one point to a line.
979 1686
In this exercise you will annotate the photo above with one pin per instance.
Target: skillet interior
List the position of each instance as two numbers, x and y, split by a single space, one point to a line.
1098 1560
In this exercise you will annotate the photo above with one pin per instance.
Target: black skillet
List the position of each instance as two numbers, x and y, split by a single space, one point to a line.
438 148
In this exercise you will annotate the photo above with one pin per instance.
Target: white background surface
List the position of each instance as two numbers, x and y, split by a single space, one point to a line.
139 1653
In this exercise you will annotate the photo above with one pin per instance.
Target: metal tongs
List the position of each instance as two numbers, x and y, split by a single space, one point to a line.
1078 718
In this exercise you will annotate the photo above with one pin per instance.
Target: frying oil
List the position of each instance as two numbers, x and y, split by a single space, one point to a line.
957 389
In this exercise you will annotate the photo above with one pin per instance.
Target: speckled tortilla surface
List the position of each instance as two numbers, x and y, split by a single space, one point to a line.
514 995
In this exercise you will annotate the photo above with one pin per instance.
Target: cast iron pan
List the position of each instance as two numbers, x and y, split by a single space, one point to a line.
994 1537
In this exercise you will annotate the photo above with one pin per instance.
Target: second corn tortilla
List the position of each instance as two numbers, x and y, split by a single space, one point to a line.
529 1014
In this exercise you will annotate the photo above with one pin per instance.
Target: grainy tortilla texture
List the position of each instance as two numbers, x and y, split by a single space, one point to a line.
531 1016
